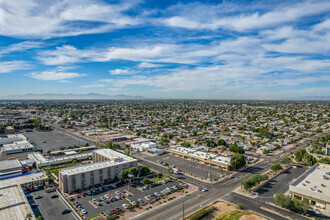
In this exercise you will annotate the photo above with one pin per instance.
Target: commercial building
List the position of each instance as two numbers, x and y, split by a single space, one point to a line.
214 160
11 138
17 147
314 186
13 202
40 160
9 130
143 146
107 165
10 168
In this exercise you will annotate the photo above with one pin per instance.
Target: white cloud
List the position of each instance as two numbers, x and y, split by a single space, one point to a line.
25 45
9 66
46 19
212 16
93 86
148 65
121 72
55 76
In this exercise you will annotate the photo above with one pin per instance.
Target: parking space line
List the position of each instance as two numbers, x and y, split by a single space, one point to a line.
128 199
95 217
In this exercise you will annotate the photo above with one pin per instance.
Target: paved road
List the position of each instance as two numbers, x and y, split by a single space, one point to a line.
219 190
198 199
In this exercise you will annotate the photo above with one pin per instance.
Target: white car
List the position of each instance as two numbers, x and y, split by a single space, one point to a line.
231 176
205 190
84 211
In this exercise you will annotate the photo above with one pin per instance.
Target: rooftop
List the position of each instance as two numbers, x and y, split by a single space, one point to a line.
10 164
314 183
115 159
17 145
202 155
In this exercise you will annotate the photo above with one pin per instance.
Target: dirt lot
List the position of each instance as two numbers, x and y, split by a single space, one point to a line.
223 208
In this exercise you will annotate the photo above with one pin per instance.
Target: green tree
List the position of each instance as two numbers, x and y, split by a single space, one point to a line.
265 151
170 170
300 154
134 171
39 218
285 160
237 161
310 160
28 216
146 180
144 170
74 161
159 175
185 144
80 151
234 148
276 167
325 160
221 142
123 174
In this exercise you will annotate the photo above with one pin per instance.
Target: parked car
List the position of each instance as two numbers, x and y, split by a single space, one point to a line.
38 197
204 190
65 211
54 196
117 209
34 205
140 200
94 200
84 211
78 196
113 211
28 196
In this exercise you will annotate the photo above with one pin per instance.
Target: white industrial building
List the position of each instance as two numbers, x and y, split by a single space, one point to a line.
17 147
42 161
11 138
143 146
107 165
10 168
314 186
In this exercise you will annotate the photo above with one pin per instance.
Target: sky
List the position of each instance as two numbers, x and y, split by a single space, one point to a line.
166 49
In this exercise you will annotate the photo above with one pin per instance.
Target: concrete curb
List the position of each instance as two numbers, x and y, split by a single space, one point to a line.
68 204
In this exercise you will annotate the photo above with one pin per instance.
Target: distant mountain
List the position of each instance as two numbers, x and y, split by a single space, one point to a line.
89 96
311 98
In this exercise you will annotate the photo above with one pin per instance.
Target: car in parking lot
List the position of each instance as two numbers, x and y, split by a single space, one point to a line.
28 196
204 190
54 196
66 211
34 205
140 201
38 197
231 176
84 211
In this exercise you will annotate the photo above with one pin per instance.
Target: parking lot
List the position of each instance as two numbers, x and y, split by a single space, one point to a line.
189 167
49 208
135 194
51 140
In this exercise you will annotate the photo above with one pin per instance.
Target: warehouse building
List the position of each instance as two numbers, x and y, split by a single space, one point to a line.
107 165
314 186
11 138
17 147
214 160
10 168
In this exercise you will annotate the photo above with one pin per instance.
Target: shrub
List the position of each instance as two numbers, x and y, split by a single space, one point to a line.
201 214
240 206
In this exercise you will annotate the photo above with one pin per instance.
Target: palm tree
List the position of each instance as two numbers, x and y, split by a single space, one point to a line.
28 216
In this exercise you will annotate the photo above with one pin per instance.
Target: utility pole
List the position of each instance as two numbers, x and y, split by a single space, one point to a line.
183 209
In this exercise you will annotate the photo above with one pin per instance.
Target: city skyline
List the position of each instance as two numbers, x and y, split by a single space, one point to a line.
195 49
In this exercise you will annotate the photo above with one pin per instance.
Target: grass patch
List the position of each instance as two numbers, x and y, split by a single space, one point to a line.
154 180
234 215
56 171
201 214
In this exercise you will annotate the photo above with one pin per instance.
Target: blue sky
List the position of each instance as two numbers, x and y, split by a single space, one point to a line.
166 49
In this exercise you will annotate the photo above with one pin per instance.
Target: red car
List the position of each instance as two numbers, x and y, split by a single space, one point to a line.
78 196
122 196
109 200
113 211
82 194
117 209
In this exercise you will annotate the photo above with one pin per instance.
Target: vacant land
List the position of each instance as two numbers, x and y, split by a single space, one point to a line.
223 211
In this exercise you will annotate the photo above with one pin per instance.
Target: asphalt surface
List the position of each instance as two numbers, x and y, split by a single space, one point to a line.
189 167
135 195
50 209
51 140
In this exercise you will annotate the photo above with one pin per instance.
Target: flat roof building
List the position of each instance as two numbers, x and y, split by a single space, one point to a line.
314 185
9 168
214 160
107 165
17 147
42 161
